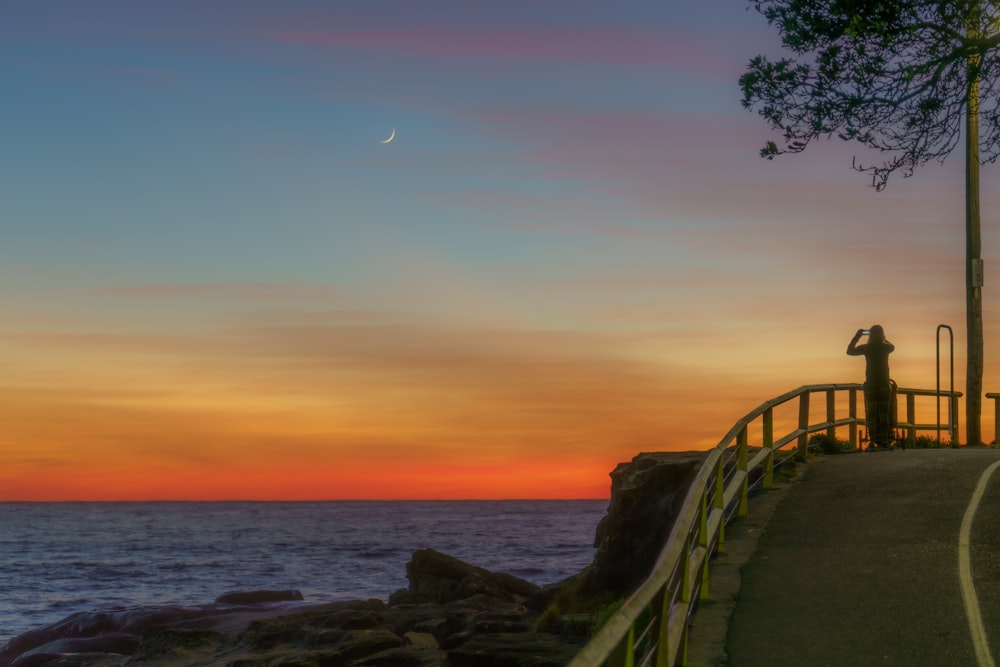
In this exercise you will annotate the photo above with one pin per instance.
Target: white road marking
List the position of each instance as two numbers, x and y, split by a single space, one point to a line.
979 641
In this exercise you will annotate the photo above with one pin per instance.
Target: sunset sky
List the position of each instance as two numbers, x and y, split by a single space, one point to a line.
219 284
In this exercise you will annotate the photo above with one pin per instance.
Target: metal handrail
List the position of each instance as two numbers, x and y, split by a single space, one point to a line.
651 627
951 349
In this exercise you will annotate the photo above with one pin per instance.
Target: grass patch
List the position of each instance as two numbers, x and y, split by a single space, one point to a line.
828 445
602 615
930 442
549 621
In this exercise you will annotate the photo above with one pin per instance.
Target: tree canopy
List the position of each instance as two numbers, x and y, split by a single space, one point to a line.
903 77
893 75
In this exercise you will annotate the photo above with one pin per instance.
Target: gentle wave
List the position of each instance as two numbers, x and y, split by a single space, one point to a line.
60 558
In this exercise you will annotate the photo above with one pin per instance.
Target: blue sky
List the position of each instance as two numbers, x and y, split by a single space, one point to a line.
570 250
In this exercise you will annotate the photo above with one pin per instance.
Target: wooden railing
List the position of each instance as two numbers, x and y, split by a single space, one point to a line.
651 626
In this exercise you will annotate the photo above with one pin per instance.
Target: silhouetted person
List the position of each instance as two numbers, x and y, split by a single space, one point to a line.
878 386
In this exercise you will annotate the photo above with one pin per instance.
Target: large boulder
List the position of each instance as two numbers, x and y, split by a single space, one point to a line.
646 497
253 597
437 577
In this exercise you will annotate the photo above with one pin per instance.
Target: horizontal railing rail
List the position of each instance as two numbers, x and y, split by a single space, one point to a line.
651 627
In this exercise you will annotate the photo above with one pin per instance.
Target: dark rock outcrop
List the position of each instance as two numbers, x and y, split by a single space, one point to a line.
646 496
112 644
131 631
460 603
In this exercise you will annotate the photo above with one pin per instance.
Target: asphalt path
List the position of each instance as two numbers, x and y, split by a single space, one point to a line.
859 565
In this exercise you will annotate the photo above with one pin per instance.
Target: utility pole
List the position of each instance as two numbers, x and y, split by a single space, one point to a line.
973 254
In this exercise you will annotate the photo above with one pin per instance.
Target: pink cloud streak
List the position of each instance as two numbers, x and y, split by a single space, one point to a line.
615 46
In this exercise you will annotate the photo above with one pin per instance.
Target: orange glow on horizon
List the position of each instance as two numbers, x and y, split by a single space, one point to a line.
403 412
401 481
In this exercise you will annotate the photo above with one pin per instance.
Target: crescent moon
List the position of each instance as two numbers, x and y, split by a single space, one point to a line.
391 136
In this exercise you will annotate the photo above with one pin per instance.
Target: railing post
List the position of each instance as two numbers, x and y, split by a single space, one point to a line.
954 420
624 654
911 419
719 503
768 442
996 417
803 424
703 587
831 413
852 407
704 542
682 653
663 640
703 519
685 567
741 465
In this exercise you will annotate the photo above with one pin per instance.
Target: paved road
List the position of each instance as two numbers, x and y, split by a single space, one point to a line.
859 565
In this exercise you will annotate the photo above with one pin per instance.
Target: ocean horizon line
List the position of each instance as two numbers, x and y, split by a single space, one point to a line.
292 501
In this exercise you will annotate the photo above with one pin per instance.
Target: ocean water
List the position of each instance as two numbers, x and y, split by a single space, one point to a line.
60 558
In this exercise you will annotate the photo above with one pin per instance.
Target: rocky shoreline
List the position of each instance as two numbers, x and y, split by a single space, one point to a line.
452 614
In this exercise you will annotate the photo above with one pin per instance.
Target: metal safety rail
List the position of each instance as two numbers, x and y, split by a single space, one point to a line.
651 627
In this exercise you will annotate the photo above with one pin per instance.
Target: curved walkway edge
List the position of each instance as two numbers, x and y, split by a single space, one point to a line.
860 564
710 624
979 640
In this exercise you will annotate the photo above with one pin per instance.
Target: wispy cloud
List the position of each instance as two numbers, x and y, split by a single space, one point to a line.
608 45
273 394
238 291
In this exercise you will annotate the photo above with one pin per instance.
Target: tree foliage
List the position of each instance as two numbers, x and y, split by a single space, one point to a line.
893 75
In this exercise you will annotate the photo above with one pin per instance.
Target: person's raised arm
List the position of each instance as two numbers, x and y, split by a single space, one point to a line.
852 347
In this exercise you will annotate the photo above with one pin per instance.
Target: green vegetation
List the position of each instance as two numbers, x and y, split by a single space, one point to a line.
602 615
549 621
577 612
930 442
829 445
785 466
645 618
577 625
583 623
